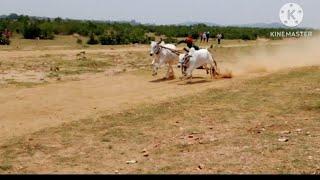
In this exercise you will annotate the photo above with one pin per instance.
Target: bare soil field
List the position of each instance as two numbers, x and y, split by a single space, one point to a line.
72 109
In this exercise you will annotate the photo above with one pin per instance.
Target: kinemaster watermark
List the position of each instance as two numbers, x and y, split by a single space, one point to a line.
291 15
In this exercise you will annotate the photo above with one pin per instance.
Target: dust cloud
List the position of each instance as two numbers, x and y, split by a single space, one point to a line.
292 54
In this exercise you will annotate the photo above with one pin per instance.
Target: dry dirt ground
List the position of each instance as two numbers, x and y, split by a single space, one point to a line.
106 114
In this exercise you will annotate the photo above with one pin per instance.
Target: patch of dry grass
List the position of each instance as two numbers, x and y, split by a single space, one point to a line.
229 130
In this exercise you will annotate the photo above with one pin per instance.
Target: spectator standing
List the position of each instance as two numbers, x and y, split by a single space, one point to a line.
208 36
219 37
204 36
201 37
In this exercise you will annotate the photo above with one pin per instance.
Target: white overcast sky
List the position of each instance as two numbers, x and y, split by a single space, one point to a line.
224 12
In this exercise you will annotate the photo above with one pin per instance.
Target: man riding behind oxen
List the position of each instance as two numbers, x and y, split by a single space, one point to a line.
198 58
190 44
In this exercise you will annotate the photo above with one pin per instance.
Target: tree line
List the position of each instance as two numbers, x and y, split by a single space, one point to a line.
114 33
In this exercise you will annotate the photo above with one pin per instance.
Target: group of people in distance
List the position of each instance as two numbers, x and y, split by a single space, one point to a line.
204 37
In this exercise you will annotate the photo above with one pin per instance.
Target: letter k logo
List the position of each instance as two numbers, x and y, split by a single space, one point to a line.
291 14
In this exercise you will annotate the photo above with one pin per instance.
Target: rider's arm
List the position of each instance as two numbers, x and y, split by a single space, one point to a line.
182 41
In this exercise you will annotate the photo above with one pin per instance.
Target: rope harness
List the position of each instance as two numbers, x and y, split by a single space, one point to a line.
172 50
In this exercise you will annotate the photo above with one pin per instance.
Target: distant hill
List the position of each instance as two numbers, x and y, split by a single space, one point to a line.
263 25
253 25
190 23
14 16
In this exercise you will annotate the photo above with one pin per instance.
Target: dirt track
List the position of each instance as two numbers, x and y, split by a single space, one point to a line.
37 53
27 110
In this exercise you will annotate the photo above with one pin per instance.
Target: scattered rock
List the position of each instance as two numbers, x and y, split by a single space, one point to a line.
144 151
285 132
283 139
196 133
157 145
213 139
210 128
298 130
200 167
132 162
116 172
310 157
190 136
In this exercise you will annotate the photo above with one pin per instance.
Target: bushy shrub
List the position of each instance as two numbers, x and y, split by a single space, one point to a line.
92 40
46 31
79 41
4 40
245 37
171 40
110 38
43 31
113 37
31 31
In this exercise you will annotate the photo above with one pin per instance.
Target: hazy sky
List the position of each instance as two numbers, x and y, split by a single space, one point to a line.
225 12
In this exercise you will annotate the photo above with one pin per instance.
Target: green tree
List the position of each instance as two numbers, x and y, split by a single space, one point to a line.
46 31
31 31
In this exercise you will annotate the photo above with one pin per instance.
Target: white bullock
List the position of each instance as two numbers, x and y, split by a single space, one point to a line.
195 59
164 54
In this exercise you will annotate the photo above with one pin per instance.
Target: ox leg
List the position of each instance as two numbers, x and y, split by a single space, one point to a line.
168 72
171 75
211 73
189 73
215 70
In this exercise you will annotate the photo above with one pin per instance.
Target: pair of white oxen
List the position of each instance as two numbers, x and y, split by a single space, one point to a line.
188 62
